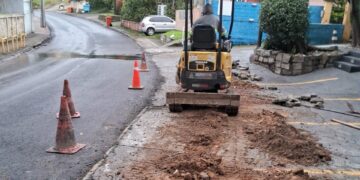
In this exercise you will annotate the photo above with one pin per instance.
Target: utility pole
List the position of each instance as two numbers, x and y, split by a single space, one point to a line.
42 6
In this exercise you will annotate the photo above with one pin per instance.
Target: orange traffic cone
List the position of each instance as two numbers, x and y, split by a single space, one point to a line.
143 66
67 93
136 84
65 137
136 64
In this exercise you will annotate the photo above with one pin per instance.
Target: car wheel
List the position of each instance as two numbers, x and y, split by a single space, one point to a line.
150 31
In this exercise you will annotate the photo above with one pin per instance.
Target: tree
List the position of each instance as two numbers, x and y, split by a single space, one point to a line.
285 22
355 22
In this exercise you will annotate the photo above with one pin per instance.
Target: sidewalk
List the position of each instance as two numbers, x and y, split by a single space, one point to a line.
33 40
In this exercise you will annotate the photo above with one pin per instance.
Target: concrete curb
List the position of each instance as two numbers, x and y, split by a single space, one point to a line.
89 174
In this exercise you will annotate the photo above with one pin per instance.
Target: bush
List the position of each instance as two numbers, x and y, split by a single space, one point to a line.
136 10
100 4
286 23
48 3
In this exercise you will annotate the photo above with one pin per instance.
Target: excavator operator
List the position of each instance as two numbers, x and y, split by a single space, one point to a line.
208 18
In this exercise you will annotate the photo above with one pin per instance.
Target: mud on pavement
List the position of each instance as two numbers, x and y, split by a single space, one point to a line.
204 143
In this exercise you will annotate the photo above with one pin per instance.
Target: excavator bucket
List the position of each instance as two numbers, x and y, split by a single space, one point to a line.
229 101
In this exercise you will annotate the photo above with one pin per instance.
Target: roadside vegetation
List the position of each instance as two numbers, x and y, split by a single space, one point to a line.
136 10
48 3
175 35
286 23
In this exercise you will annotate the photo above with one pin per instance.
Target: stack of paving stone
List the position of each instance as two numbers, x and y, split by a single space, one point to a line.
294 64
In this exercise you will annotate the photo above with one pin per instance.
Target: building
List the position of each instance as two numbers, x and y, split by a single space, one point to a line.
19 8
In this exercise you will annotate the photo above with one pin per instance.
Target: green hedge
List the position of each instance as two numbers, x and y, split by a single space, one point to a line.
136 10
36 3
286 23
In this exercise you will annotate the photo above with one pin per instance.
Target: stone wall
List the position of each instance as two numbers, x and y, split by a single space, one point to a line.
294 64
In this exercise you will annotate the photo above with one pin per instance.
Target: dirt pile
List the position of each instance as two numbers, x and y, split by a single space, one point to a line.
202 136
244 85
270 132
203 133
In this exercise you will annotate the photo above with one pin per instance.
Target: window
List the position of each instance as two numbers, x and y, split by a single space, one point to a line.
165 19
160 19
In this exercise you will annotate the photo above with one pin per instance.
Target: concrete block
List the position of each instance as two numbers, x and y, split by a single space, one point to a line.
266 60
266 53
308 69
279 57
261 59
297 72
286 58
286 72
278 70
308 61
297 66
298 58
278 64
274 53
258 52
285 66
271 60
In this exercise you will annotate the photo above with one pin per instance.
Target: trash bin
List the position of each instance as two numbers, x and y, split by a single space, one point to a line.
86 7
108 21
69 10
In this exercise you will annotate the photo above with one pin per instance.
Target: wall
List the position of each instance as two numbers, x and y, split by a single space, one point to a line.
180 18
135 26
18 7
11 7
246 24
11 25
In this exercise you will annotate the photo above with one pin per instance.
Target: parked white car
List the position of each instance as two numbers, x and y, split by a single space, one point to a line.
152 24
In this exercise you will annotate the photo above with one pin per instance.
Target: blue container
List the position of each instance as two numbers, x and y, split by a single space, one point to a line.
86 8
315 14
322 33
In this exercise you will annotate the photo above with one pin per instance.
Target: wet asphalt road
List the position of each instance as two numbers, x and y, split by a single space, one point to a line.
30 90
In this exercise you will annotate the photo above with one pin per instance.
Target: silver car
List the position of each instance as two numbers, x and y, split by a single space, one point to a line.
152 24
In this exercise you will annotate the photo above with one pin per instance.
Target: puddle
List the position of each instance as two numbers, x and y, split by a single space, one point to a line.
25 60
89 56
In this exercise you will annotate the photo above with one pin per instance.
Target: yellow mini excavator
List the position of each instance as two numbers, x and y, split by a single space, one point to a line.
204 68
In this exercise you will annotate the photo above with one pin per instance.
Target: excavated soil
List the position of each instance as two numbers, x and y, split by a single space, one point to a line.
211 145
269 131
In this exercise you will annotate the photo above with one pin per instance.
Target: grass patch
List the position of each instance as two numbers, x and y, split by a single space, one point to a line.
177 35
104 11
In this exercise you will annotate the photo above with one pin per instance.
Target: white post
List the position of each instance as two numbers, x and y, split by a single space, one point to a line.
27 17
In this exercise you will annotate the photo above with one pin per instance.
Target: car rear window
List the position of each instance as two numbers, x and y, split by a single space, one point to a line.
160 19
